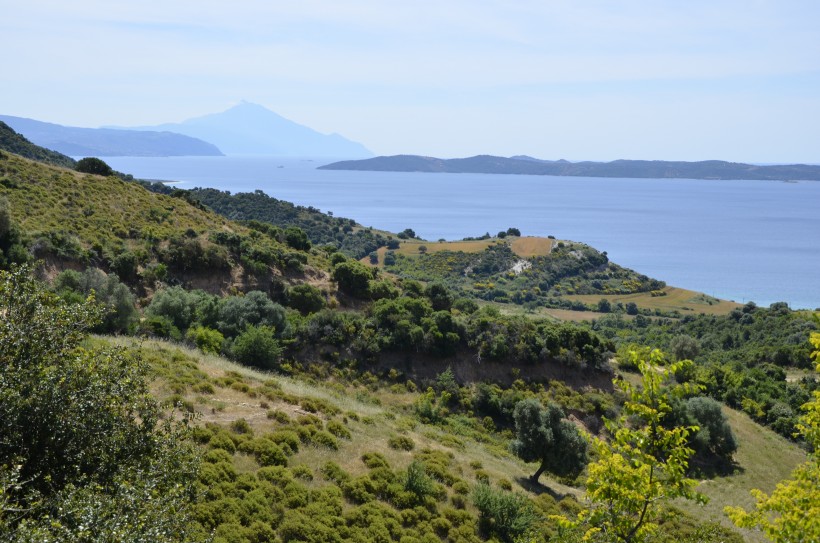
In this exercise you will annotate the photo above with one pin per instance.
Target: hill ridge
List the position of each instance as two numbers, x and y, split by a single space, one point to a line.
622 168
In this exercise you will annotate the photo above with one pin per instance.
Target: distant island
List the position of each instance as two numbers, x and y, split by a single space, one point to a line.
77 141
525 165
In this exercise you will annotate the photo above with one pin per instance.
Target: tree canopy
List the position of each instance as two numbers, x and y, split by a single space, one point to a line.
85 454
544 435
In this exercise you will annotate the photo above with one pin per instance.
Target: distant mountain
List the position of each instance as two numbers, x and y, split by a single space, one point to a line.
250 129
708 169
16 143
98 142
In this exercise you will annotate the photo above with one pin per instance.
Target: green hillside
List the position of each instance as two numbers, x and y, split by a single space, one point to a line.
264 388
13 142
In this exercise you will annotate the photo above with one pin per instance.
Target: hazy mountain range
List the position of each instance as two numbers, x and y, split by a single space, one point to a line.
656 169
100 142
246 129
250 129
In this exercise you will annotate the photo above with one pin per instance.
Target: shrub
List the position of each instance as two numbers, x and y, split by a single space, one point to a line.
94 166
401 443
338 429
305 298
257 346
206 339
504 514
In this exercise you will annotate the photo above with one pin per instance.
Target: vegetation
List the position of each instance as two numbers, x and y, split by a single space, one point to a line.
13 142
792 511
643 464
361 405
544 435
85 453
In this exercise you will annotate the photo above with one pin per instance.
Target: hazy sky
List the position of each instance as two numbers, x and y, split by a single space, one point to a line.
690 80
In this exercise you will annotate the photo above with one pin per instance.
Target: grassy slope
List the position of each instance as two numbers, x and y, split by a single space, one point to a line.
763 457
99 209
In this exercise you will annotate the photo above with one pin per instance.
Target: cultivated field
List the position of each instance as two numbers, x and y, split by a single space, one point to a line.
685 301
530 246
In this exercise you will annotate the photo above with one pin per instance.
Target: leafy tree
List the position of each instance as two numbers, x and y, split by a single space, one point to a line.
643 464
545 436
254 308
305 298
257 346
118 300
296 238
714 439
353 278
684 347
513 232
85 454
791 513
440 296
94 166
604 305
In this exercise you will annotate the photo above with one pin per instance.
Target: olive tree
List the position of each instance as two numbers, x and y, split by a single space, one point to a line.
544 435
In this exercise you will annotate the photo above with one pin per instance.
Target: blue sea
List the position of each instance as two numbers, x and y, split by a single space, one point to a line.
739 240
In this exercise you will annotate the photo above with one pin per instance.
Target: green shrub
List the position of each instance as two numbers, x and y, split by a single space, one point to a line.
401 443
206 339
504 514
338 429
257 346
325 439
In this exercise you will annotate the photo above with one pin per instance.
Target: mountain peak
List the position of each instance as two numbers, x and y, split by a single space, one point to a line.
252 129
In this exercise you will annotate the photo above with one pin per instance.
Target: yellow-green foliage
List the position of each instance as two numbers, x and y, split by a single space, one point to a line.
104 210
792 512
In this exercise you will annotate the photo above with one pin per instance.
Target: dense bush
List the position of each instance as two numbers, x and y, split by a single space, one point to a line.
257 346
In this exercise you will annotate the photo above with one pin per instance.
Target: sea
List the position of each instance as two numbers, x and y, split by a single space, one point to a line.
739 240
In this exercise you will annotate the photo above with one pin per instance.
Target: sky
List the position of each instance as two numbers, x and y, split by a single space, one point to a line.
576 79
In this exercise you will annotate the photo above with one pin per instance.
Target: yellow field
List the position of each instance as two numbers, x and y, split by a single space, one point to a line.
411 248
530 246
685 301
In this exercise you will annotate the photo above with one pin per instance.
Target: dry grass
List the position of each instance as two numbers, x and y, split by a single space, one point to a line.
764 458
530 246
688 302
411 248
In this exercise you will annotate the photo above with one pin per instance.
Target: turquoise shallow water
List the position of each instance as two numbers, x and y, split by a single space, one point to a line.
741 240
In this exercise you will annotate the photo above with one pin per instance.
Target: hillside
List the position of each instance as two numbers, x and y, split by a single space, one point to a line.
331 399
16 143
75 141
250 129
74 220
655 169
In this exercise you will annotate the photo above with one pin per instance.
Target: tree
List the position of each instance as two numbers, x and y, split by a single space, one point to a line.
714 440
643 464
545 436
85 453
305 298
353 278
94 166
791 513
257 346
684 347
253 309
